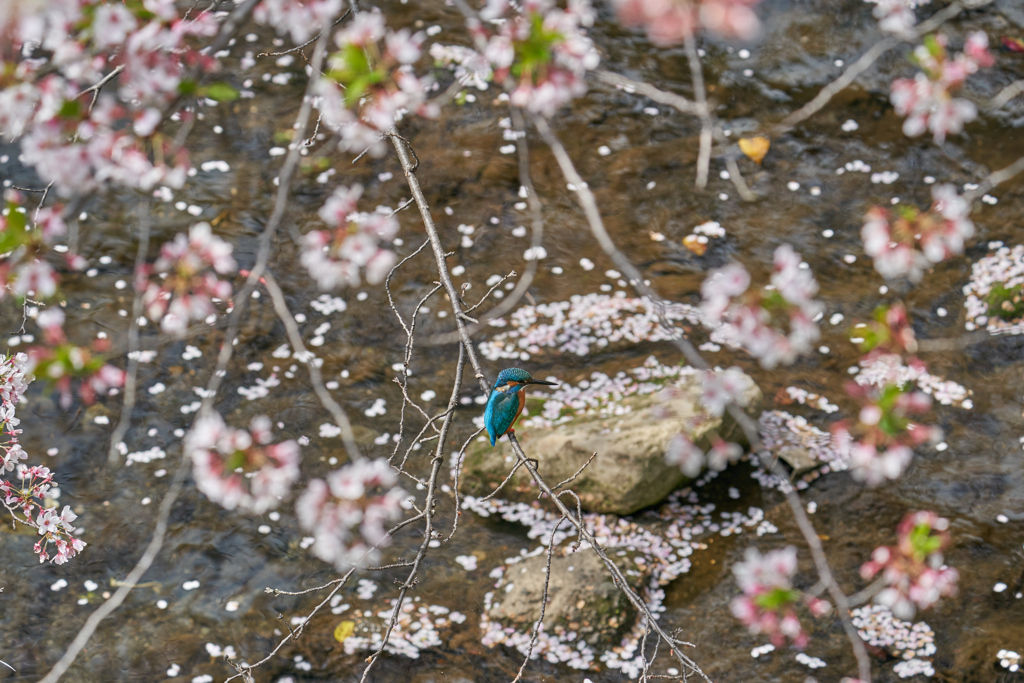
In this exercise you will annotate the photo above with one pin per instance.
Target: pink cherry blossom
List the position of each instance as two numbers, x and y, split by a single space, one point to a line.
879 445
685 454
348 514
769 600
913 570
538 79
335 257
670 21
184 289
241 469
892 237
751 319
926 99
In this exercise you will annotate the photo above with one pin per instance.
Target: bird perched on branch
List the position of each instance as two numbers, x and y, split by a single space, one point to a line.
507 400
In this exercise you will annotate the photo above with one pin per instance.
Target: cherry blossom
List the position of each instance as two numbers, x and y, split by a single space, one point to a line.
751 319
879 445
681 451
892 237
61 362
24 269
239 468
896 16
913 570
28 502
368 87
926 100
671 21
889 333
540 53
348 514
185 289
335 257
769 600
719 389
300 18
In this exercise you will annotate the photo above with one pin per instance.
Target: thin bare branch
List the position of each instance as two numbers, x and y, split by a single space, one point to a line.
113 457
328 402
1006 94
707 125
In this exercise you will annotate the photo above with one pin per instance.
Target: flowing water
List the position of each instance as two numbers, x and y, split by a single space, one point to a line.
207 586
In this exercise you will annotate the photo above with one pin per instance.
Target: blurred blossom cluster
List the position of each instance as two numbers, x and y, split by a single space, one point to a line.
752 319
688 456
718 390
25 244
671 21
913 570
239 468
904 241
184 288
896 16
348 513
879 444
926 100
333 257
52 53
768 604
538 51
60 362
369 83
890 333
299 18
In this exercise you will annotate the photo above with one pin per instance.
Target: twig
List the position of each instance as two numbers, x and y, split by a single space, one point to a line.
1007 94
995 178
403 149
825 574
113 457
115 600
747 424
308 42
649 91
578 473
707 126
539 624
96 87
328 402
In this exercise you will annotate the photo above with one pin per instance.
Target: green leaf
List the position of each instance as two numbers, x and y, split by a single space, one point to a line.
221 92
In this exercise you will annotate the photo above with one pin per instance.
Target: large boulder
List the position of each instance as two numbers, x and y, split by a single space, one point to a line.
629 472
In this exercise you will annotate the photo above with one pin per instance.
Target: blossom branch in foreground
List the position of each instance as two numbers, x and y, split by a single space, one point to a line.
769 600
216 378
913 569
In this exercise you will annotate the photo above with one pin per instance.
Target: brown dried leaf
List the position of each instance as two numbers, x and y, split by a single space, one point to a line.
693 243
755 148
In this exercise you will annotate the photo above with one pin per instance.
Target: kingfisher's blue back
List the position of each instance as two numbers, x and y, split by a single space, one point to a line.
506 401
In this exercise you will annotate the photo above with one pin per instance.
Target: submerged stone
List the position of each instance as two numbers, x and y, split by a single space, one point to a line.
583 601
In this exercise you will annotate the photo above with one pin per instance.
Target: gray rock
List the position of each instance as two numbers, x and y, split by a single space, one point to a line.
629 472
582 597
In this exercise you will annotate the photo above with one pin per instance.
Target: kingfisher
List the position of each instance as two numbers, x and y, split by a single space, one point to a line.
507 400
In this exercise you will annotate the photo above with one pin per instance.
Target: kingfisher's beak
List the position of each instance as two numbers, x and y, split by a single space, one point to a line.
540 381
